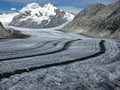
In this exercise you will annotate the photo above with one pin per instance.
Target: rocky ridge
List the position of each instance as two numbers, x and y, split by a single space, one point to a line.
10 33
3 32
97 20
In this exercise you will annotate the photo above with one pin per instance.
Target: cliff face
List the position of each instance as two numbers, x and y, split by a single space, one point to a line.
10 33
97 20
3 32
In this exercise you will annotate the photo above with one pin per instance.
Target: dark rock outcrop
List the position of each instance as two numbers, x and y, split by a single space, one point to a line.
10 33
3 32
57 20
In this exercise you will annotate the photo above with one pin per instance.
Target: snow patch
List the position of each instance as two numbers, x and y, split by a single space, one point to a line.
7 18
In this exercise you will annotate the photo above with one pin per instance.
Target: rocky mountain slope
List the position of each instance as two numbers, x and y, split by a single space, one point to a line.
35 16
10 33
97 20
3 32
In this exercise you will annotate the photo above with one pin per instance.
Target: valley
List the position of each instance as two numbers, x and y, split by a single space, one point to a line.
43 47
31 62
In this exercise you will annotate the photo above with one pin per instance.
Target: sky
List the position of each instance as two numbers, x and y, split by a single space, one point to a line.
73 6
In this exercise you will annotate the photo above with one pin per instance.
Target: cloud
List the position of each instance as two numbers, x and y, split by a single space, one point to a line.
13 9
74 10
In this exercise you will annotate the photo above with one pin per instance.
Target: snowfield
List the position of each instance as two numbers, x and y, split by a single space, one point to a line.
42 62
7 18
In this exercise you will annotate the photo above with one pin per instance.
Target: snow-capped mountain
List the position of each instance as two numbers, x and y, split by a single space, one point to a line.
35 16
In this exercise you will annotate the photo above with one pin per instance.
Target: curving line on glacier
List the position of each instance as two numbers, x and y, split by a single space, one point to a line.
62 46
39 45
101 51
32 49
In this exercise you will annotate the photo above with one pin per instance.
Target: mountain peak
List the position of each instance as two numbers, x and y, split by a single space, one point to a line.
49 6
33 5
30 6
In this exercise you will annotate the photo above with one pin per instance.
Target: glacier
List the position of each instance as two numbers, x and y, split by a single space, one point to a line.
101 72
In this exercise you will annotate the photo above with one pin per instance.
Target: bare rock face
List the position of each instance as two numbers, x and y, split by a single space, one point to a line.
3 32
57 20
97 21
85 18
10 33
116 34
